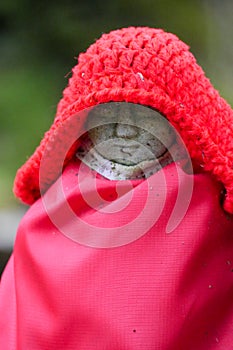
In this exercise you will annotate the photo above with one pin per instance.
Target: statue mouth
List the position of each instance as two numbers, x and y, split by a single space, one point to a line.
129 152
124 158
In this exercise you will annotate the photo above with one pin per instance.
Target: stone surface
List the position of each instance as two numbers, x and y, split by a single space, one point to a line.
126 141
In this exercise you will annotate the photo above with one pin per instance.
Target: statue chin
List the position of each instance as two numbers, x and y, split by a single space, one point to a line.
115 170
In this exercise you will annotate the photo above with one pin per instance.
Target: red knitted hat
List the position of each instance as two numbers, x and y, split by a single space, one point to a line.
149 67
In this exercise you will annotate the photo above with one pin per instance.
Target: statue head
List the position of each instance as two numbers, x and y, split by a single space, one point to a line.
126 140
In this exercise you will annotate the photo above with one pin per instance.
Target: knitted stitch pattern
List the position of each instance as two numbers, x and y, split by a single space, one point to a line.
153 68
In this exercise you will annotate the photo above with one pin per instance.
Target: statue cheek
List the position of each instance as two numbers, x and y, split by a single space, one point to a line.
101 133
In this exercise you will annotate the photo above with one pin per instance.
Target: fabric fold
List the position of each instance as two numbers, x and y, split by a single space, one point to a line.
161 291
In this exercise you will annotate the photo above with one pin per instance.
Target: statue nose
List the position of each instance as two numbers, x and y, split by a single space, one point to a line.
125 126
126 131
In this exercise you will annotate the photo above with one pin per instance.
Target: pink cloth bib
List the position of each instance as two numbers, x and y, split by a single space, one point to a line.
151 290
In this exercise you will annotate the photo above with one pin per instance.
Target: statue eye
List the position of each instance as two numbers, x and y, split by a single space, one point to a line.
102 115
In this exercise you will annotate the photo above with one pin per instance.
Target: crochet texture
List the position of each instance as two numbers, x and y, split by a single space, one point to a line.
153 68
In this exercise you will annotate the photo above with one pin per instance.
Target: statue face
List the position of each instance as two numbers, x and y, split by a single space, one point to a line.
129 141
133 134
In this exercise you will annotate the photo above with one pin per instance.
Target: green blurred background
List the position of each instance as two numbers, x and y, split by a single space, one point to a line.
40 40
39 43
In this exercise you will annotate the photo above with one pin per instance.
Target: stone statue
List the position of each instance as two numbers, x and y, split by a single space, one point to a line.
126 141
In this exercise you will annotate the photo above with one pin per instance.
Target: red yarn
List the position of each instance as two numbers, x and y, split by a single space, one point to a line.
153 68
